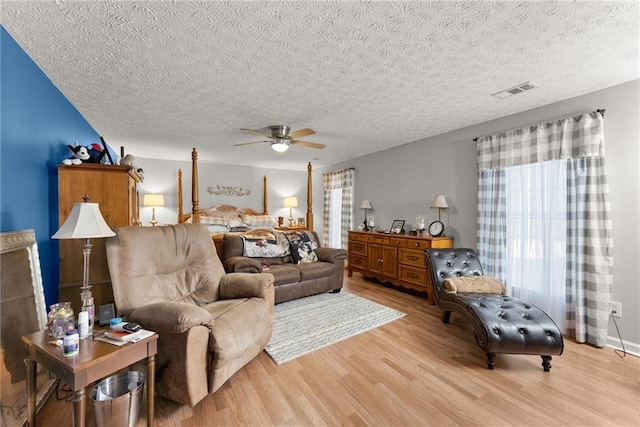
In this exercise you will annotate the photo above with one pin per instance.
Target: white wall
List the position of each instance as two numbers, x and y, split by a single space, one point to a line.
402 182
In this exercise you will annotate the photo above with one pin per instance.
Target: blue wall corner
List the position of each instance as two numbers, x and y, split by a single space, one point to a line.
36 123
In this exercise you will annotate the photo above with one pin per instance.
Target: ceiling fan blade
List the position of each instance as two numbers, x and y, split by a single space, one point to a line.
250 143
256 132
308 144
302 132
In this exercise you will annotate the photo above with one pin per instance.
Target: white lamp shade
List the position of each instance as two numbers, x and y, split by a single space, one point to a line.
440 202
366 205
84 222
153 200
291 202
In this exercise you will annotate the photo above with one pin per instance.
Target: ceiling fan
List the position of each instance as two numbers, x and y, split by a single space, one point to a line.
281 139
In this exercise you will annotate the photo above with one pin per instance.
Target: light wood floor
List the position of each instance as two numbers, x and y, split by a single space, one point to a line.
415 371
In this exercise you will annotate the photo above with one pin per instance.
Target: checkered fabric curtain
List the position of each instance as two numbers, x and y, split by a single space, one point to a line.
580 140
344 180
492 227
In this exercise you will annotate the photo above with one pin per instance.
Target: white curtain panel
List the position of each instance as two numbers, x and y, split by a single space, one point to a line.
536 235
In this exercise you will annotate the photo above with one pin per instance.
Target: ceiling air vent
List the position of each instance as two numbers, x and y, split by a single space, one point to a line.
515 90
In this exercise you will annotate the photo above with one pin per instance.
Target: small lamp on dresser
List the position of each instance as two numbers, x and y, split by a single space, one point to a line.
291 202
153 200
366 205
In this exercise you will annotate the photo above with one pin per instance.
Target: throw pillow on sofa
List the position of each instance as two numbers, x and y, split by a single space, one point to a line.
303 253
302 246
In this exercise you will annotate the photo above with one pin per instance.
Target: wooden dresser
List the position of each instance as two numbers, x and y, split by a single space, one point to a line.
394 258
114 188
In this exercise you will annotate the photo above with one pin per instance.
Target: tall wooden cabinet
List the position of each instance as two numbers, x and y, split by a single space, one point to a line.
115 189
394 258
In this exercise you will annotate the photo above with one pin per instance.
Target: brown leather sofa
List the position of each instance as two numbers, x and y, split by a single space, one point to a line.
501 323
210 324
291 281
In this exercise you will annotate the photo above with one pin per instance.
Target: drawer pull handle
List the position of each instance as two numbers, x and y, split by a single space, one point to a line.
416 244
412 275
412 257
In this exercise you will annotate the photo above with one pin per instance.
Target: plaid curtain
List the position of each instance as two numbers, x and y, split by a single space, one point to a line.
342 179
492 216
589 243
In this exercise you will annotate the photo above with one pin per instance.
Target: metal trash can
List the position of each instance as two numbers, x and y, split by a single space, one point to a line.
117 399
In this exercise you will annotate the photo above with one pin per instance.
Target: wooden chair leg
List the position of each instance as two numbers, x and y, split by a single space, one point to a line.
546 363
490 363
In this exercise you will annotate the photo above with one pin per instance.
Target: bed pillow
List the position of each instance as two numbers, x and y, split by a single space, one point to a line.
259 220
475 285
217 229
214 220
234 222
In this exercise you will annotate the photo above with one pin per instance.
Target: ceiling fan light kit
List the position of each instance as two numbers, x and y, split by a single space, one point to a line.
281 138
279 145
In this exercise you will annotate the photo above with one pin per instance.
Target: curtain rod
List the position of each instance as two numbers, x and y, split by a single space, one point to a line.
600 110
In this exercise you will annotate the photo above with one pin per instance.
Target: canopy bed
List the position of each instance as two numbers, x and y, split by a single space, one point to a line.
223 219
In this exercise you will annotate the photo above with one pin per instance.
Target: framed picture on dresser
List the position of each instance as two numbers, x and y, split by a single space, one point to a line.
396 226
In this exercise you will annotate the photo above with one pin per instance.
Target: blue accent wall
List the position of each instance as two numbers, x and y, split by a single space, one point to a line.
36 123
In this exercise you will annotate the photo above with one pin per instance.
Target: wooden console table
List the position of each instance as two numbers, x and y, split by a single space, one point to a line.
394 258
94 361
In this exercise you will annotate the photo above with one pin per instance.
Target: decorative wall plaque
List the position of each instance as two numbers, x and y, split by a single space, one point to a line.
228 190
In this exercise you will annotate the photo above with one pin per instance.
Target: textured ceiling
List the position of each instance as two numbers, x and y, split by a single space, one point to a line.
161 77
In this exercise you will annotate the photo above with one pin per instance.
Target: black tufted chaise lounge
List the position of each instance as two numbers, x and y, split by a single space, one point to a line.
502 324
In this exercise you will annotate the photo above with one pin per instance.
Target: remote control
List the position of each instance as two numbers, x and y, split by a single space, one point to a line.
131 327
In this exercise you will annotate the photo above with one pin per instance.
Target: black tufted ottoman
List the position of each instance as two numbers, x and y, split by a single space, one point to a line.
502 324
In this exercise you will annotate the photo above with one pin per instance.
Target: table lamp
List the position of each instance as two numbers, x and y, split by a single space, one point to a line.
153 200
291 202
366 205
85 222
440 203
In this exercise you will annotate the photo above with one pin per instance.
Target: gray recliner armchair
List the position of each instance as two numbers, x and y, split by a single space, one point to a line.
170 280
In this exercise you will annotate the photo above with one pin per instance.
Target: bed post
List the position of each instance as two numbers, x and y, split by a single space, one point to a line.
309 199
180 213
195 208
265 205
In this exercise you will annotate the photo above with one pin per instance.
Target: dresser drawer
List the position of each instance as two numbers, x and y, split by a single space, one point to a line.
418 244
412 257
361 237
397 242
382 240
358 248
413 275
357 262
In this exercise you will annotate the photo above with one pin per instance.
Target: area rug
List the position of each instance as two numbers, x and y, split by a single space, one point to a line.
308 324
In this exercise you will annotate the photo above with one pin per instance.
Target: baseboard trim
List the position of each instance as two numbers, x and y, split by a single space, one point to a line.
629 347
